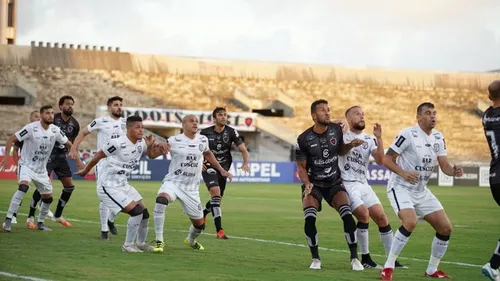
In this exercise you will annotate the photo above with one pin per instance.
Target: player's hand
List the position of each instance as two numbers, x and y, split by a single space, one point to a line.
82 172
73 154
149 140
377 130
411 177
204 168
3 164
458 171
308 188
344 125
245 168
227 175
356 142
164 147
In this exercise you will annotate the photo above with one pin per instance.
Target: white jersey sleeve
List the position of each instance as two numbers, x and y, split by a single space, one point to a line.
25 133
402 141
204 141
111 148
440 144
96 124
373 144
60 136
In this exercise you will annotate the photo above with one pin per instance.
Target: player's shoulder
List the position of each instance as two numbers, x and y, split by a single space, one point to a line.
437 134
307 135
408 131
54 129
175 139
366 137
31 125
207 130
202 138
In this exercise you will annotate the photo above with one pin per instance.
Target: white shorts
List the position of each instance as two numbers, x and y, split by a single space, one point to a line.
423 202
117 198
42 181
361 194
189 197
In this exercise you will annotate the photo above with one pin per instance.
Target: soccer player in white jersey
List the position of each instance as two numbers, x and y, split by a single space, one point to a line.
183 179
123 155
38 140
107 128
364 202
412 158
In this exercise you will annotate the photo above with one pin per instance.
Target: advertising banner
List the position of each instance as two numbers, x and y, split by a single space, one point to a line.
10 173
172 118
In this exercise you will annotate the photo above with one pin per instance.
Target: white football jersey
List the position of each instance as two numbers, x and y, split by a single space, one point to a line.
418 152
107 129
187 159
38 144
122 158
354 165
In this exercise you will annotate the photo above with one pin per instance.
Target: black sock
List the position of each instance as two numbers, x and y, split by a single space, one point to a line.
349 229
310 231
216 212
208 209
495 259
34 201
65 195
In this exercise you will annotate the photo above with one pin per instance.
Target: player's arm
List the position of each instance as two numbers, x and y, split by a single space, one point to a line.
301 159
154 149
399 146
378 145
112 148
244 151
210 157
20 135
94 125
343 124
346 147
15 153
444 164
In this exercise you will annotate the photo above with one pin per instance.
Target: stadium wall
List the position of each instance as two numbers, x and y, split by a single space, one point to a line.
48 56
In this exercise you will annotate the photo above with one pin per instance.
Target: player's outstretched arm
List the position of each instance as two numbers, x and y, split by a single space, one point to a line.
73 153
97 157
346 147
155 149
15 153
447 168
246 158
8 147
210 157
343 124
378 153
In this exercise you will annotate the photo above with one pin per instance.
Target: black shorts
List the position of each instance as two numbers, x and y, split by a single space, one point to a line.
327 193
213 178
60 166
495 191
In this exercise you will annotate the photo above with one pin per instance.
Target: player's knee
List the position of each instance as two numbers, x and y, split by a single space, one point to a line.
310 213
347 218
136 211
162 200
362 214
68 189
410 224
47 200
380 219
215 201
23 188
445 230
145 214
199 226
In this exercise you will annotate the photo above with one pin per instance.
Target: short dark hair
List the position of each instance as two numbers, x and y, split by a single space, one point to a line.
351 108
132 119
112 99
64 98
316 103
420 108
45 107
217 110
494 89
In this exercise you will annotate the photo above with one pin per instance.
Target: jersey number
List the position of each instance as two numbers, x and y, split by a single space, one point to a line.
491 137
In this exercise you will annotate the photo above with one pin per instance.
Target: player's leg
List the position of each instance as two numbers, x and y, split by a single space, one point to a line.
24 181
215 184
166 195
491 269
189 197
402 203
142 233
311 203
44 186
104 212
63 172
432 211
338 198
35 199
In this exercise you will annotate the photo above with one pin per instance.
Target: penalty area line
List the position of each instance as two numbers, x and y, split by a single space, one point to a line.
17 276
281 243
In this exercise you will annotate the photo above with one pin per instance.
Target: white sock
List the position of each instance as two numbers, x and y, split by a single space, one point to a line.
386 238
104 213
362 234
398 243
112 215
437 252
15 203
159 218
44 210
193 234
142 235
132 229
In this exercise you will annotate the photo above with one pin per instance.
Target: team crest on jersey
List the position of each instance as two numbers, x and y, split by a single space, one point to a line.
326 153
333 141
51 138
70 129
201 147
436 147
365 145
139 149
225 139
123 126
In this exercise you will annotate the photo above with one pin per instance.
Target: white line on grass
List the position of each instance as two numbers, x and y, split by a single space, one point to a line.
282 243
12 275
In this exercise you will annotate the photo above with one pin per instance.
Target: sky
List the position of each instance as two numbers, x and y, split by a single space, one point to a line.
442 35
